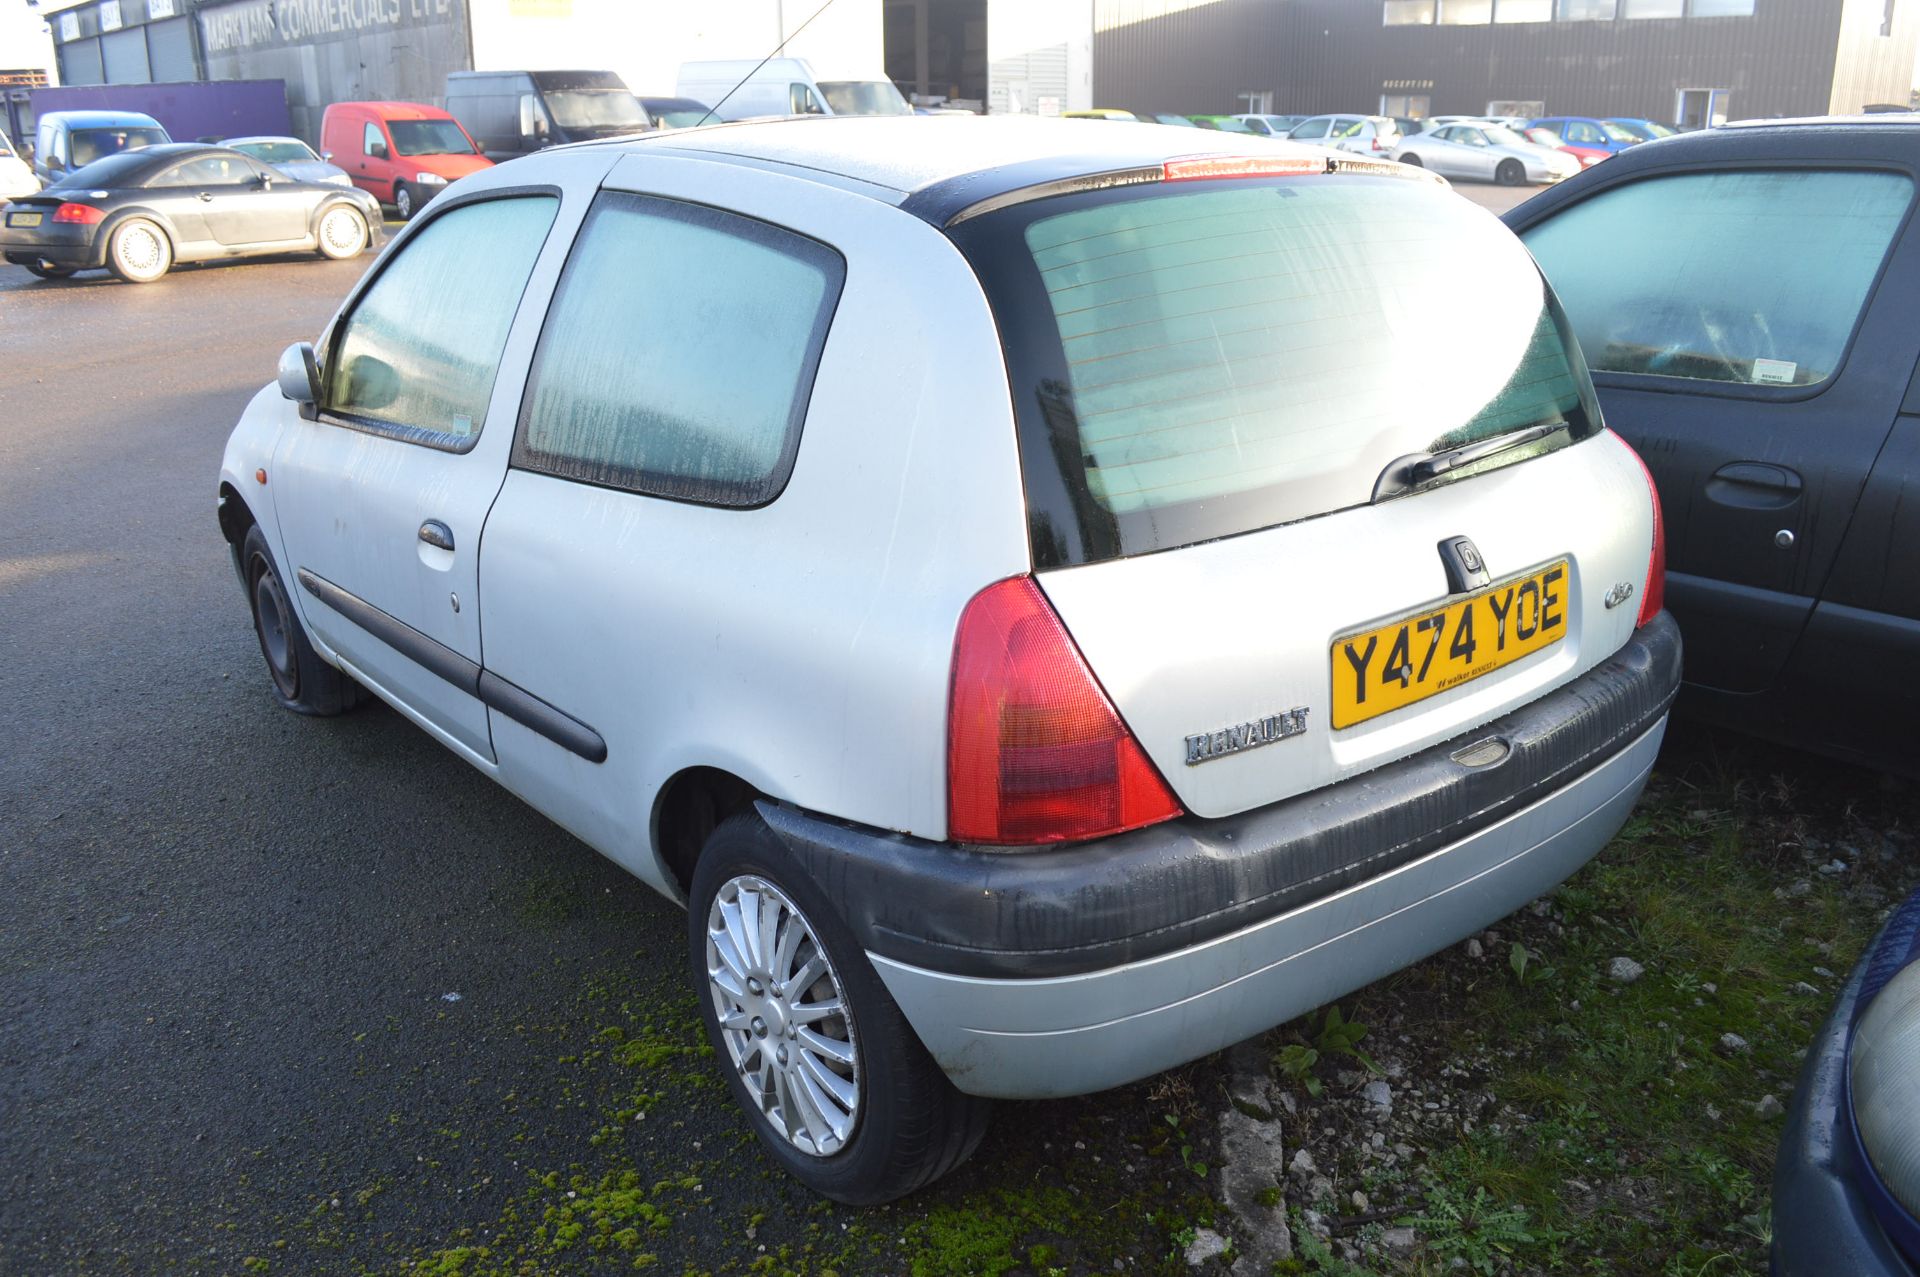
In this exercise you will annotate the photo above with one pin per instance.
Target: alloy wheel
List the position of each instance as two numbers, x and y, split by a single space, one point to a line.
783 1015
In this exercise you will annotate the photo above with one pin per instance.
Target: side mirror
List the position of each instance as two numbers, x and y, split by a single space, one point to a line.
266 181
327 156
378 150
299 375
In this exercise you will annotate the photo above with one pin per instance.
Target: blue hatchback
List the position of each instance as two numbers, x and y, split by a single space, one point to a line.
1846 1187
1645 130
1585 130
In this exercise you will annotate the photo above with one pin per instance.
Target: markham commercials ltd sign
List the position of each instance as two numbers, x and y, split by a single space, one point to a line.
264 23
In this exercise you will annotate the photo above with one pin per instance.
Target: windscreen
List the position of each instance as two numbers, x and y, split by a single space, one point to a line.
428 137
1214 358
1617 134
96 144
588 110
1500 136
864 97
680 119
287 152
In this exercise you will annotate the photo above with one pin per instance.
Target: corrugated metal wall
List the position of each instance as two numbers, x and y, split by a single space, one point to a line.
1334 55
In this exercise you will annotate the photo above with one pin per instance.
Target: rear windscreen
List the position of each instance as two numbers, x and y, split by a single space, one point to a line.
1196 361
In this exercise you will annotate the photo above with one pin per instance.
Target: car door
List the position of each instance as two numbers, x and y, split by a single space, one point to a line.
243 205
183 195
1313 132
373 173
648 474
1477 159
383 495
1742 339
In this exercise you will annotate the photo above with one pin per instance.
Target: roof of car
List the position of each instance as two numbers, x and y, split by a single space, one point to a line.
261 137
935 166
97 119
1878 120
394 110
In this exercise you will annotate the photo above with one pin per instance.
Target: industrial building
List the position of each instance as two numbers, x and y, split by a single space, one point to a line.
1004 55
1692 62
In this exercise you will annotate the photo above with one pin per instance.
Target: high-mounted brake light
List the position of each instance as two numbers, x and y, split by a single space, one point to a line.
79 214
1202 167
1654 596
1035 751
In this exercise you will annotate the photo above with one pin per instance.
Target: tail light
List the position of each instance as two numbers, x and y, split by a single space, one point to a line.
1654 596
79 214
1035 751
1378 145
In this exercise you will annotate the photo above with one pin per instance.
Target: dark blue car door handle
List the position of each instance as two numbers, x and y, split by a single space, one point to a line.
436 533
1754 485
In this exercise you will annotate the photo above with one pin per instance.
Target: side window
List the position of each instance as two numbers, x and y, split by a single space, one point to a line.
372 141
1743 277
422 346
802 101
1312 128
638 381
208 170
1581 134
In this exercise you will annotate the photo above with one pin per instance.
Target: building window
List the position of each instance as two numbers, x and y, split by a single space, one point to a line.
1720 9
1408 13
1413 106
1523 11
1653 9
1584 11
1466 13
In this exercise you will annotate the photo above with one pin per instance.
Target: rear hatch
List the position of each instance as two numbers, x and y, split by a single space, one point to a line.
1258 416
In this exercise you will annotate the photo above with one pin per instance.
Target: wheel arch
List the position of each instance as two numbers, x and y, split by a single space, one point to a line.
686 811
327 205
121 216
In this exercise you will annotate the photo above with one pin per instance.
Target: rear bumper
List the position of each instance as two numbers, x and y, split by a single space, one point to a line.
1061 972
62 245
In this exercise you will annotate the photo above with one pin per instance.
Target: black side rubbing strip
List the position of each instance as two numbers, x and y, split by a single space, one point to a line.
396 633
528 710
494 692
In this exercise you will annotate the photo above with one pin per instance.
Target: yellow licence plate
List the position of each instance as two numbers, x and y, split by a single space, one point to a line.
23 219
1422 654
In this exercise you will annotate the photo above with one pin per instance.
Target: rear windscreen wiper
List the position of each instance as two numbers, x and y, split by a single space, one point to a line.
1419 468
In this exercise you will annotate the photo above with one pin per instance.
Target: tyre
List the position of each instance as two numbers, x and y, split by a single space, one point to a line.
139 251
302 682
1510 173
403 201
343 233
1412 160
833 1079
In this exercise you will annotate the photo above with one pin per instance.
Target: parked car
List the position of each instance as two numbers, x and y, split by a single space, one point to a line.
1750 305
138 213
16 177
1407 124
1486 153
1433 122
401 152
747 88
69 140
1102 113
513 113
1165 117
1067 832
1846 1181
1270 125
1223 123
1587 155
1645 130
1578 130
676 113
1359 134
293 157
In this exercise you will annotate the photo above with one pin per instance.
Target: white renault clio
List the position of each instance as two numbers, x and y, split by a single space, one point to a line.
1053 602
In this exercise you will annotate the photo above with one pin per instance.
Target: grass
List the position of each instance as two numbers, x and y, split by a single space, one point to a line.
1615 1128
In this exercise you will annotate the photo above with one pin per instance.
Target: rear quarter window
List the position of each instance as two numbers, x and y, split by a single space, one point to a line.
1196 361
679 355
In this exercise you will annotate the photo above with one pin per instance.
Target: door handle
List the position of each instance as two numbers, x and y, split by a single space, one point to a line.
436 533
1754 485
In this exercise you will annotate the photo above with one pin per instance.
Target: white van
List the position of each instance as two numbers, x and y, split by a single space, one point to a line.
743 88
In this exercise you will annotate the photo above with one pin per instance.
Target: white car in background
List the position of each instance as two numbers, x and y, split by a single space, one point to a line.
293 157
988 764
1375 135
16 176
1486 153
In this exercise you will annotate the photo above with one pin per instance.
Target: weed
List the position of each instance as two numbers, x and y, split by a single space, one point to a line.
1472 1229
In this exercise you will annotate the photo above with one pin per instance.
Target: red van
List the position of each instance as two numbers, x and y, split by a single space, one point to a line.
403 152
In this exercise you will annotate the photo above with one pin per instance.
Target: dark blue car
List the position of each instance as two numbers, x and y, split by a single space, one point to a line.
1846 1187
